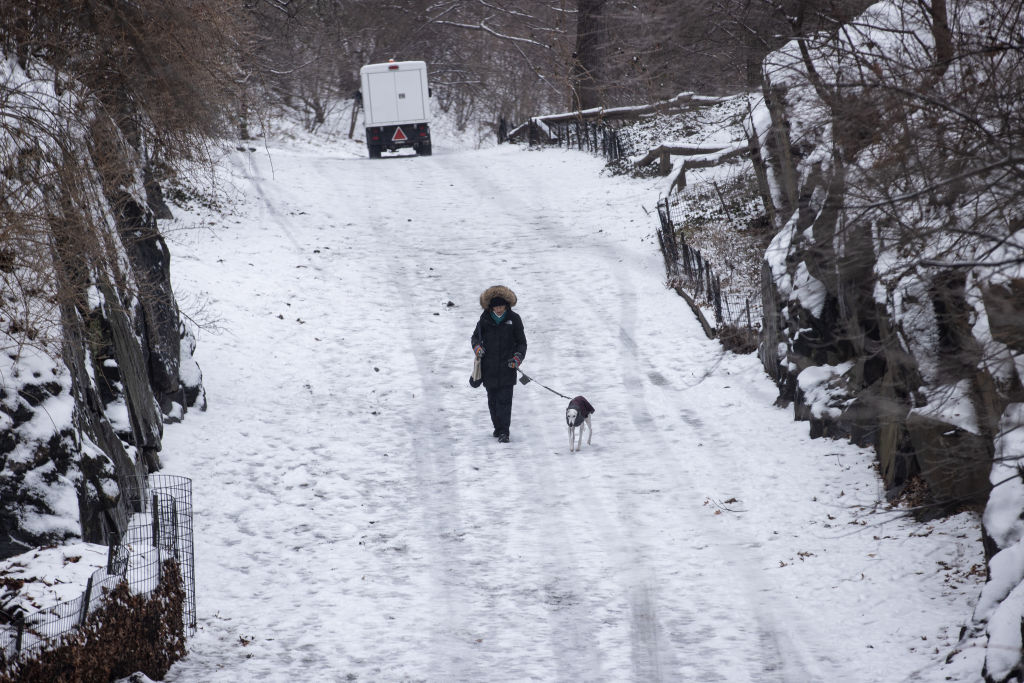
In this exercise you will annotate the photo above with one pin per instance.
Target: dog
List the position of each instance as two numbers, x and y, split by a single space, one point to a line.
576 416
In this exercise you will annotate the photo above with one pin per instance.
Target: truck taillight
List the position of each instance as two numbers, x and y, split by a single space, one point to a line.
393 67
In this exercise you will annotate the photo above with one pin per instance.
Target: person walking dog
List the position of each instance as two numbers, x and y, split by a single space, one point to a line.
499 344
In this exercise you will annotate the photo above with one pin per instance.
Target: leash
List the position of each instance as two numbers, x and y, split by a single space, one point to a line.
526 379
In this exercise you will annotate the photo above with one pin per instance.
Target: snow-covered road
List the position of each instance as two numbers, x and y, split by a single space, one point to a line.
356 520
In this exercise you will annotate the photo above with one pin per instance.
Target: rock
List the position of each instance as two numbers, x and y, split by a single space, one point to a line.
1004 304
954 462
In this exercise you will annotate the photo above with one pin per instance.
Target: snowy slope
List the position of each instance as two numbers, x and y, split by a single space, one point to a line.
355 520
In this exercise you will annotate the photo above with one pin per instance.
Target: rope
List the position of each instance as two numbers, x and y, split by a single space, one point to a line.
526 379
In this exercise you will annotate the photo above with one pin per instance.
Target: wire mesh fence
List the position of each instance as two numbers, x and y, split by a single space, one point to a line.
153 520
686 267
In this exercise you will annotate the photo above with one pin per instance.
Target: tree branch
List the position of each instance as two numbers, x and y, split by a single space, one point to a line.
487 29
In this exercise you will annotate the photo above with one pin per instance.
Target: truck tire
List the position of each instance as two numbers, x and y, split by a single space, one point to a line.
423 149
374 151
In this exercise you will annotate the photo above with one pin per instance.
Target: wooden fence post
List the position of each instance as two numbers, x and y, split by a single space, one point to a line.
110 555
19 625
174 526
355 112
718 299
86 596
700 274
156 521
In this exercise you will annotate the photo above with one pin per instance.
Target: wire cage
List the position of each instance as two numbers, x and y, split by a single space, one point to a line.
153 520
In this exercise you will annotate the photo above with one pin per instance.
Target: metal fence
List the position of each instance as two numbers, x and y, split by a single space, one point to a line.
580 132
596 137
153 521
685 267
684 264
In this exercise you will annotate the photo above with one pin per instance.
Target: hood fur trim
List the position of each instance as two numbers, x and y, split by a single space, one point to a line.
497 290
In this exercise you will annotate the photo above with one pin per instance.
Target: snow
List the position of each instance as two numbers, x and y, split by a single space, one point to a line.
50 575
758 123
117 414
355 520
1002 513
814 382
951 403
1003 653
1002 600
776 255
809 290
60 494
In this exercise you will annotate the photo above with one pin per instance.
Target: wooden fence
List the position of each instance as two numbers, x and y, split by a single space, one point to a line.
595 130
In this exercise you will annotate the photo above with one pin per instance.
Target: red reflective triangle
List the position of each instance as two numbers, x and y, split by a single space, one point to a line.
399 135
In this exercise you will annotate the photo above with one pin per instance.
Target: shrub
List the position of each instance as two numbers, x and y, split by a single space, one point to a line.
128 633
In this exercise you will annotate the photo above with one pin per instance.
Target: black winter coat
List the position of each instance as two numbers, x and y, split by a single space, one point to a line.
500 343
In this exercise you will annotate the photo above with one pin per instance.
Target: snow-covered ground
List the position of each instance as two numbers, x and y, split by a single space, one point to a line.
355 519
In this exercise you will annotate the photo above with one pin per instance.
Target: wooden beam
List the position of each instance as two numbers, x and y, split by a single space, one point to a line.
685 150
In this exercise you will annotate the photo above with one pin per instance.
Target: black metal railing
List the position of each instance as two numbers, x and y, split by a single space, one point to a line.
687 269
592 135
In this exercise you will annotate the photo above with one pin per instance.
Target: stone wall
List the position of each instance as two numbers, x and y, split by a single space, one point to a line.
893 363
96 357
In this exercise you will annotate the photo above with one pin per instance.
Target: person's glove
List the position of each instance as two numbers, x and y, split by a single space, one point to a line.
478 350
515 361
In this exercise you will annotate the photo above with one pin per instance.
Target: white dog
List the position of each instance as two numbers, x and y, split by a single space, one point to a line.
576 416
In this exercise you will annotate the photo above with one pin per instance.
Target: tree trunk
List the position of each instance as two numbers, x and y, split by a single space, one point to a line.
586 74
941 34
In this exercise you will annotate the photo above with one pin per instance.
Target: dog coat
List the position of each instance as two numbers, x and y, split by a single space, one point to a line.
583 410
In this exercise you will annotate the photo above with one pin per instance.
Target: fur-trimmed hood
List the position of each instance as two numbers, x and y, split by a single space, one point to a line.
497 290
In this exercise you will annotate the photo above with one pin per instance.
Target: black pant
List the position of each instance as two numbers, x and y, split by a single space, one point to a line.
499 402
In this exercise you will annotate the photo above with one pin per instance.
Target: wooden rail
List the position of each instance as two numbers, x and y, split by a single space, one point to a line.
700 156
680 101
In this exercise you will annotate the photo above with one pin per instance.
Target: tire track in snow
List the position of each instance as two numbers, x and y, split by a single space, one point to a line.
268 205
568 595
437 488
552 581
432 484
555 579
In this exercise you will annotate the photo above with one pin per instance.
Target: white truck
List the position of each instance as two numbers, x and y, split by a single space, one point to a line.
396 108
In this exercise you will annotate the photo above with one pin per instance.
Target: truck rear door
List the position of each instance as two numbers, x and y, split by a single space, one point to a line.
380 97
395 96
409 95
